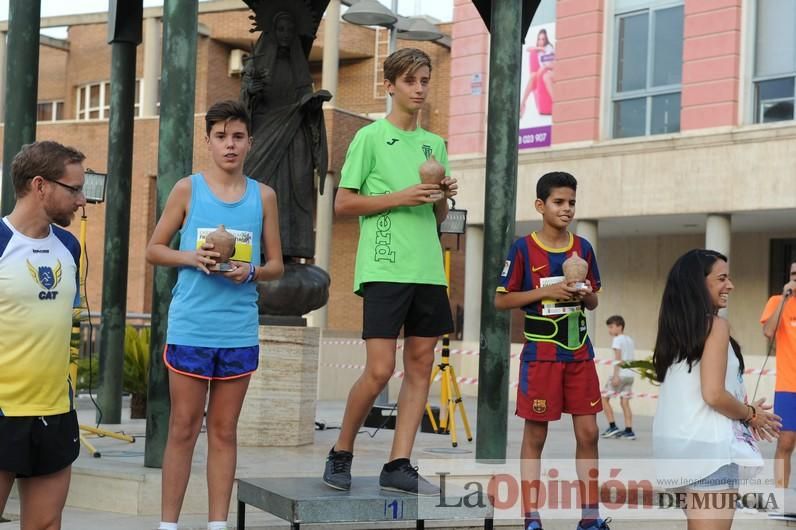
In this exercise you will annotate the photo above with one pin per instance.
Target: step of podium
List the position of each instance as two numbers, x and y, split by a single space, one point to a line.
308 500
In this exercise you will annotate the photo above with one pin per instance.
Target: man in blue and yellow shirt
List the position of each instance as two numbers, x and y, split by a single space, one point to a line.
39 264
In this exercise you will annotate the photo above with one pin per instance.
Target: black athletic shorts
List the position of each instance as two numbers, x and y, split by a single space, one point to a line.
32 446
423 310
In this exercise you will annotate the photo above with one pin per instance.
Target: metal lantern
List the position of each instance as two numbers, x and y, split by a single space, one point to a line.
456 222
94 186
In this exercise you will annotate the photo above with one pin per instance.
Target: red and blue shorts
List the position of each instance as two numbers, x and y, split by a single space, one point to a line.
546 389
211 363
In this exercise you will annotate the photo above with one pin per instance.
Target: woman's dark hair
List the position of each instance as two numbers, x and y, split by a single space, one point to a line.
737 349
687 311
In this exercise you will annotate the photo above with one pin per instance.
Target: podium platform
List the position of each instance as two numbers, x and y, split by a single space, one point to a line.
310 501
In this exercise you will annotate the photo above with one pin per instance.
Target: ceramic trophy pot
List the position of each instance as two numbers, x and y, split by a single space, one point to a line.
575 270
224 243
432 172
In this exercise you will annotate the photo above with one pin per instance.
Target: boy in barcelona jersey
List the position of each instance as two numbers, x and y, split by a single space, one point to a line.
557 372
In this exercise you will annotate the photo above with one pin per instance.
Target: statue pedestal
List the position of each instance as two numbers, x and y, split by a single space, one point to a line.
279 409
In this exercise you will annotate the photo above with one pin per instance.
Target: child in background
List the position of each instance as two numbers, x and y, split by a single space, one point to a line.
621 381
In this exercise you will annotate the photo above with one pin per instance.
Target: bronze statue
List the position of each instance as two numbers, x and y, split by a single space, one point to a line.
289 147
287 119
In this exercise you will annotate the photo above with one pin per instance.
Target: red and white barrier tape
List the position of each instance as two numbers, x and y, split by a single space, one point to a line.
606 362
648 395
399 374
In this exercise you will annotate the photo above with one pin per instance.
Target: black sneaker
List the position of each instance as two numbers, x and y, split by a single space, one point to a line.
626 435
598 524
337 473
405 479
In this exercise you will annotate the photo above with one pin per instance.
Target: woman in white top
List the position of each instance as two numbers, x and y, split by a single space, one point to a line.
704 433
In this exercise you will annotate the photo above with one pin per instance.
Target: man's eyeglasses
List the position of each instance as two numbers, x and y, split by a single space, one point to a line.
75 190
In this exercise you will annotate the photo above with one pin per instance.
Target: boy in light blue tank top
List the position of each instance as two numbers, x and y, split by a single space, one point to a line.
212 331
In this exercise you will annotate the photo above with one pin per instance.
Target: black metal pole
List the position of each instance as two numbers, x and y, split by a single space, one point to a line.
124 29
241 515
22 82
175 160
501 188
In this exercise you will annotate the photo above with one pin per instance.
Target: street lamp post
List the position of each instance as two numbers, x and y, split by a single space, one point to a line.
393 40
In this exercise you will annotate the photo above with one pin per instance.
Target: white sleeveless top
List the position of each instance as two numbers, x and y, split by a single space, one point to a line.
691 440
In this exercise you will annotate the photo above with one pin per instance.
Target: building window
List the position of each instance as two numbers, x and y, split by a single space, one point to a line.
649 68
782 254
775 60
91 101
94 100
50 111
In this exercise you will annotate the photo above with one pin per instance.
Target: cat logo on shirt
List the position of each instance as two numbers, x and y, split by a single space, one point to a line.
47 278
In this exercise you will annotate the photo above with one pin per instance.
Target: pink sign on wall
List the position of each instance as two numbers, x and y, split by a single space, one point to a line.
536 93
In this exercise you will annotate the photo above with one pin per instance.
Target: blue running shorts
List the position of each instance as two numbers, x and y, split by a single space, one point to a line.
211 363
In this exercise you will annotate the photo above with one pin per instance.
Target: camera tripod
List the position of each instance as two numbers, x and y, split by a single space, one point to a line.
73 367
450 398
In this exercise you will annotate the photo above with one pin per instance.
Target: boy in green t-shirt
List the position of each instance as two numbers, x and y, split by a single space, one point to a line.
399 271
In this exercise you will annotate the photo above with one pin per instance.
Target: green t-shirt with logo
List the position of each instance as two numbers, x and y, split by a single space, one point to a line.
399 245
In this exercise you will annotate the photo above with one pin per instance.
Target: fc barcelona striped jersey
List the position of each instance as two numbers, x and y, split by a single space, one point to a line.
38 289
531 264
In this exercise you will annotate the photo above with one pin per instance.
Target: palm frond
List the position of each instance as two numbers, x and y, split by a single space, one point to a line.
135 371
644 368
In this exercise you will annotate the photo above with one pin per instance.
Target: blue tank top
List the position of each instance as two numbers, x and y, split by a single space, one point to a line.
210 310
